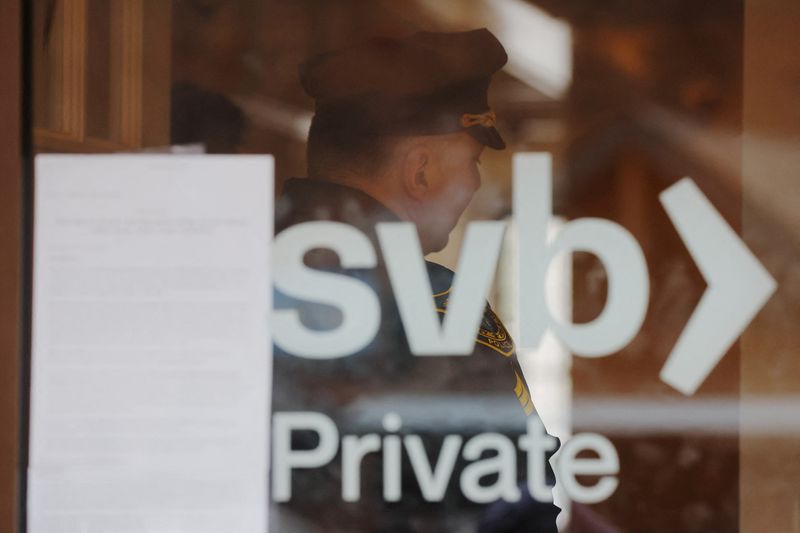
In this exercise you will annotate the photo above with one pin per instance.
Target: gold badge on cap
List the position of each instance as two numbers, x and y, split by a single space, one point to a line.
487 119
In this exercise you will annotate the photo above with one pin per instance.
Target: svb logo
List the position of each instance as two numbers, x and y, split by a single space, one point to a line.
738 285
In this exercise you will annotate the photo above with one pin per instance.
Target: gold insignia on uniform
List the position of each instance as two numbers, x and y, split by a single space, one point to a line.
487 119
523 395
440 300
492 333
440 294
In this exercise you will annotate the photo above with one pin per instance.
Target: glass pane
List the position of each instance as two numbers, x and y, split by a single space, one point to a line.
613 184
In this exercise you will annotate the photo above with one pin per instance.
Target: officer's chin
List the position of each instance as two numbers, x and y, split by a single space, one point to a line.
435 243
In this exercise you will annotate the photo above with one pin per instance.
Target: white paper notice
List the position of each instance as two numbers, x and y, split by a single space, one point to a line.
151 363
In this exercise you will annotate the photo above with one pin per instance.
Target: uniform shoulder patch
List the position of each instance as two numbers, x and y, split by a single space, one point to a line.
492 333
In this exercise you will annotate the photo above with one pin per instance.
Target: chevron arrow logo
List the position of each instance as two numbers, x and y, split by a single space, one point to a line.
738 286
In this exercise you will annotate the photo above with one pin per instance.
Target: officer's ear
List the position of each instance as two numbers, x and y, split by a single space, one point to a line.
416 172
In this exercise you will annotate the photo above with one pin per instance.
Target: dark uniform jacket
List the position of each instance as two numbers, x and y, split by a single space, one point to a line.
474 394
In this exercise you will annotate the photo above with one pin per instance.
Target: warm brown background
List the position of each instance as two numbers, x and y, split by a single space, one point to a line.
764 107
770 349
10 272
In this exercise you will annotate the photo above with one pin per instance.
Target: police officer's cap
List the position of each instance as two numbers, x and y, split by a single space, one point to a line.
426 84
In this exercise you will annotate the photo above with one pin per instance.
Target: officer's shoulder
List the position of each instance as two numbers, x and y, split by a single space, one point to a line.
492 332
441 277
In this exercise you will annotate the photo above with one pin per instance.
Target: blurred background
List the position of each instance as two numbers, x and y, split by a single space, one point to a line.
629 97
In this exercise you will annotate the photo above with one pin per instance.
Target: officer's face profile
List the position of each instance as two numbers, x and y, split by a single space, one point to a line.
440 175
411 142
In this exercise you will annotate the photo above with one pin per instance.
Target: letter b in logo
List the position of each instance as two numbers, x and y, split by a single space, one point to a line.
620 254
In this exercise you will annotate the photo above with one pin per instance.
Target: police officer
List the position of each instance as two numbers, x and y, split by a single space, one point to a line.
397 135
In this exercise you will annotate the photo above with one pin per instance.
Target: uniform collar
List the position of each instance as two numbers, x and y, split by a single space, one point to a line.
343 198
306 199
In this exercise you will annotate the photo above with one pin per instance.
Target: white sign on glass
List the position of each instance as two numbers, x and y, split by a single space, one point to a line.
151 353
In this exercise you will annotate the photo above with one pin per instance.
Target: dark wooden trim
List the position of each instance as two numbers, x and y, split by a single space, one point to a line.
138 107
11 270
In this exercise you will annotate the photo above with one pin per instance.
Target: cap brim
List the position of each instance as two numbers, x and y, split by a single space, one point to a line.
487 136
